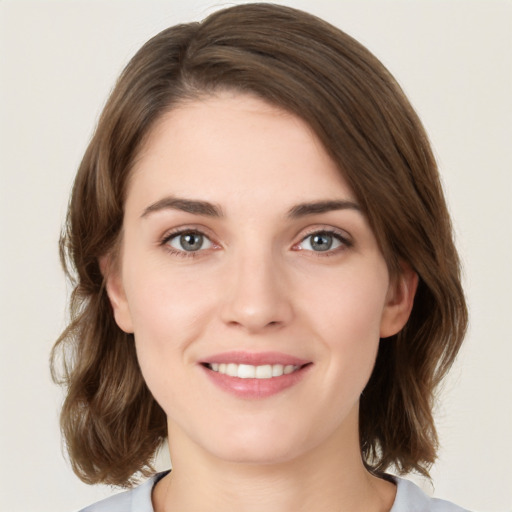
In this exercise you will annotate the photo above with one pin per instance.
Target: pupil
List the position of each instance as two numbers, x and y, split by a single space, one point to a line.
191 241
321 242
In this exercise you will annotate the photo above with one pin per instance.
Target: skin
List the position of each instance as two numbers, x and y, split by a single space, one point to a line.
256 284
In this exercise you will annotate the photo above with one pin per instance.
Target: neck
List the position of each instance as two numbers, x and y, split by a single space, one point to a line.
331 477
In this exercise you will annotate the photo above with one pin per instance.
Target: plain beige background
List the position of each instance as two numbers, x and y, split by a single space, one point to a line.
58 61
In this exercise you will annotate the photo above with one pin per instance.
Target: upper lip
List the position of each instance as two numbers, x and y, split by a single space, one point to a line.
255 358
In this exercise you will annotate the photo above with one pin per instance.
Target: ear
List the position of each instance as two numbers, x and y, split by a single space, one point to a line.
116 293
399 301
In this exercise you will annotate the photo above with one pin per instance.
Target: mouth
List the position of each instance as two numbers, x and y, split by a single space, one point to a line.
255 376
249 371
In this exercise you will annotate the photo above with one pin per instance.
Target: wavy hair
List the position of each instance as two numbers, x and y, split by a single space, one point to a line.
111 424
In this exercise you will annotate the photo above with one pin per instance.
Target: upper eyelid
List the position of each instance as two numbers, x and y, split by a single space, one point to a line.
301 236
341 233
171 233
164 242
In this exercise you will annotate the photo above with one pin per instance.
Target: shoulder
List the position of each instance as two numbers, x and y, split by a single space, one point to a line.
410 498
137 499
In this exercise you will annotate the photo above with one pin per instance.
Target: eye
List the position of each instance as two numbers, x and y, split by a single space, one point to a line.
189 241
322 241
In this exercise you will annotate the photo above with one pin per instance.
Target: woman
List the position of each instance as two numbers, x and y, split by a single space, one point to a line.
265 274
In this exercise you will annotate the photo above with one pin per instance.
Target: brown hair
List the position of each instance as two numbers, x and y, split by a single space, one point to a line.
111 423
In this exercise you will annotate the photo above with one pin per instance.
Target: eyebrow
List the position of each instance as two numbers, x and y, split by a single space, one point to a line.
208 209
186 205
304 209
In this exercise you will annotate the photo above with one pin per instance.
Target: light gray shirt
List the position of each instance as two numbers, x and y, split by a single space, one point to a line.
409 498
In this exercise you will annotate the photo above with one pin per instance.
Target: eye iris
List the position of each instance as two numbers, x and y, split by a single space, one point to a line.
191 241
321 242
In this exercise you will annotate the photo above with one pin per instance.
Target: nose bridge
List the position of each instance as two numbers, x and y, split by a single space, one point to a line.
255 295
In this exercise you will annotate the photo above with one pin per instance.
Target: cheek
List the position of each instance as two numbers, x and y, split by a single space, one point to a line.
347 317
166 305
350 303
168 315
169 311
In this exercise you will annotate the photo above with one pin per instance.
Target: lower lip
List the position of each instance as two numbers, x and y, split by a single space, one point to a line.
256 388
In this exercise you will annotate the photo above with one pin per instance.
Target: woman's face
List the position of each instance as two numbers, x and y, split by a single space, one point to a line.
252 282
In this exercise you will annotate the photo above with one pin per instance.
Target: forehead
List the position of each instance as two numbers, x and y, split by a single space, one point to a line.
231 146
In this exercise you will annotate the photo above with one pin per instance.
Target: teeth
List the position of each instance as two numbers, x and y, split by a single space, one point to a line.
245 371
289 369
264 372
248 371
277 370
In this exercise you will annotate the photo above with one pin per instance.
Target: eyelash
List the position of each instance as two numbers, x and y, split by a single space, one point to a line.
343 239
182 231
346 243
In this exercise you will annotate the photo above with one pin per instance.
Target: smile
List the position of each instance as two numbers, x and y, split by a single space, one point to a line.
253 376
249 371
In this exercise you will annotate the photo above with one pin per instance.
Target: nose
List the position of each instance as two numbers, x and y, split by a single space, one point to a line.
256 295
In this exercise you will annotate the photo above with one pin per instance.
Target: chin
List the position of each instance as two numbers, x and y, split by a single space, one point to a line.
257 445
256 455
